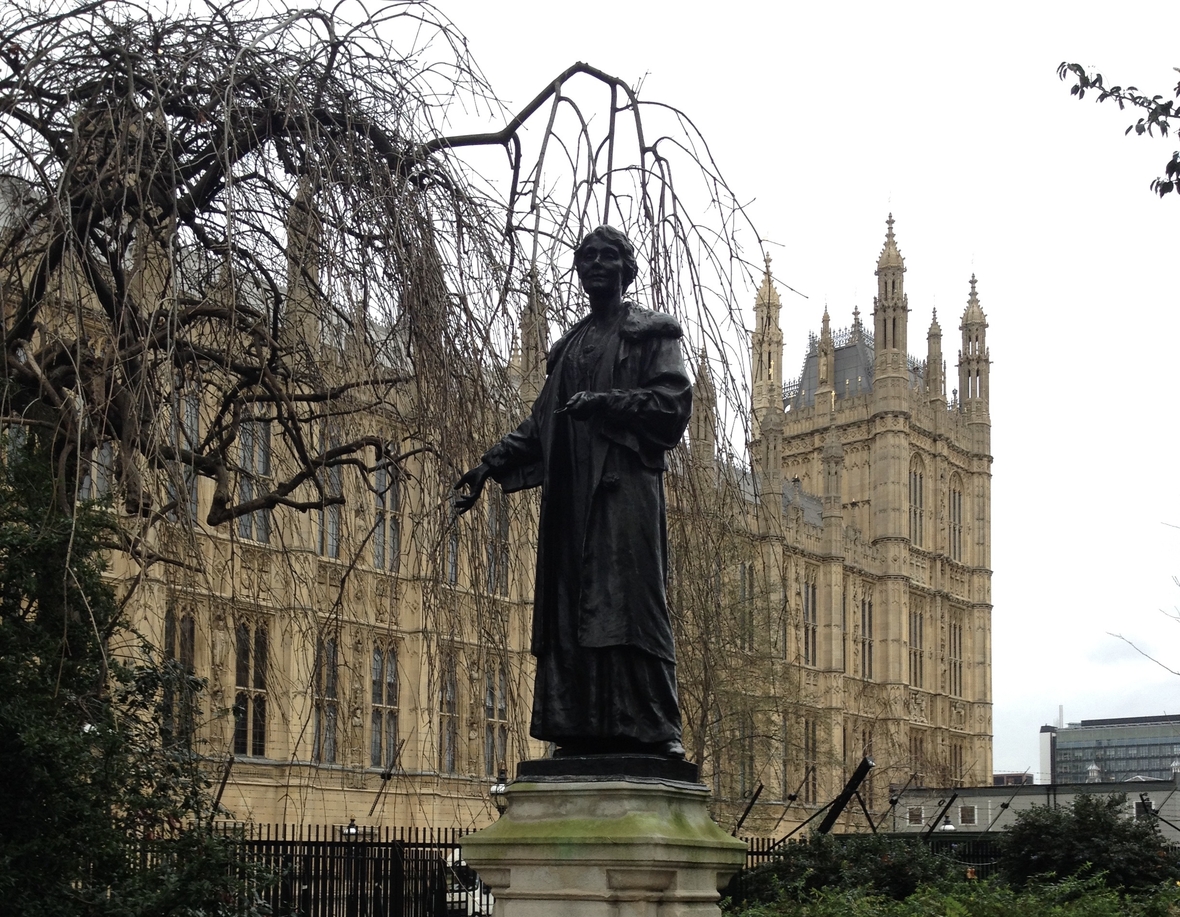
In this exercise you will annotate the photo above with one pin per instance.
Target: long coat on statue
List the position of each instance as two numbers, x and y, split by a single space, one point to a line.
601 630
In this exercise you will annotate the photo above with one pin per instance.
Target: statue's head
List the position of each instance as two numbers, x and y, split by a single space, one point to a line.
608 235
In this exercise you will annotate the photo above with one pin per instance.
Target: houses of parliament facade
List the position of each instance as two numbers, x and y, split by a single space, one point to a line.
830 590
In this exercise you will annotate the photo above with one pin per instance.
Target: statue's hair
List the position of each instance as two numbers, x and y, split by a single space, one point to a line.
614 237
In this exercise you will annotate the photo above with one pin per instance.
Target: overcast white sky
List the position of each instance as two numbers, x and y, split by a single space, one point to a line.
829 115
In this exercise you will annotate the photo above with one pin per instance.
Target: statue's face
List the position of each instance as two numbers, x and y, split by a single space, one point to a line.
600 268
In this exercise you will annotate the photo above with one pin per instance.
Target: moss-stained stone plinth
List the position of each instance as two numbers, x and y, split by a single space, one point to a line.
624 848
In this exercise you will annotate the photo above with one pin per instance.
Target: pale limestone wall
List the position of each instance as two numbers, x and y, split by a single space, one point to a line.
761 680
301 596
940 727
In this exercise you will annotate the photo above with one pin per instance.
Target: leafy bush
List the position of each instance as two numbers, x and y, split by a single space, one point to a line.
1068 898
1084 860
1091 837
866 864
91 784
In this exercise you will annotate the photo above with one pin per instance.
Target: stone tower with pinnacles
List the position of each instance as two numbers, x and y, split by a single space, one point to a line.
885 486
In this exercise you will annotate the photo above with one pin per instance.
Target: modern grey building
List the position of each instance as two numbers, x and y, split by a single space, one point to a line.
1124 749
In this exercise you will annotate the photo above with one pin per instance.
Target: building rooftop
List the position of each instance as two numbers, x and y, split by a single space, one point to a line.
811 505
854 352
1127 721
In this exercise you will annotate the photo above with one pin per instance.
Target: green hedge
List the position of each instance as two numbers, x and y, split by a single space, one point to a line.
1068 898
1087 859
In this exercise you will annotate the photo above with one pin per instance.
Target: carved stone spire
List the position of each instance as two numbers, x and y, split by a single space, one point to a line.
974 360
702 429
304 241
890 254
935 375
766 353
890 309
827 356
534 343
766 362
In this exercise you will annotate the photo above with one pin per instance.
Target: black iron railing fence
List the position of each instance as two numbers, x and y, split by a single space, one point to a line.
974 851
351 871
354 871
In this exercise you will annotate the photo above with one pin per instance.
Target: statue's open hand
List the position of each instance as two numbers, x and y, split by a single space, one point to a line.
473 482
584 405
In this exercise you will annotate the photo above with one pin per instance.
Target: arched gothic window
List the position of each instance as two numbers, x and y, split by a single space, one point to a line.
955 515
917 501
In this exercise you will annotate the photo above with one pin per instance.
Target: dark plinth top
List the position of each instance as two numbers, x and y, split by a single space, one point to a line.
608 767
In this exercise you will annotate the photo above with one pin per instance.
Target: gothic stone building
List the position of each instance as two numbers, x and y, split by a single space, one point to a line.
851 597
831 592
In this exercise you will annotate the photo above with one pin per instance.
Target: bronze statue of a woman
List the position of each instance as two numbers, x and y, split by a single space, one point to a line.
615 400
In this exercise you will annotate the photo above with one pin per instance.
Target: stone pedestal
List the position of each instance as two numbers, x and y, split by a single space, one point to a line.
576 846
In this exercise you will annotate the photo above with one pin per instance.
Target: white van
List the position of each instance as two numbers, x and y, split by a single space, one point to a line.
467 896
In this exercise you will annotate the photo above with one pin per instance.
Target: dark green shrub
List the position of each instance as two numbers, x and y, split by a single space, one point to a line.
870 864
1091 837
1067 898
93 790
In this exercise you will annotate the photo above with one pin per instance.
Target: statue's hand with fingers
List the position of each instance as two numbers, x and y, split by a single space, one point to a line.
472 482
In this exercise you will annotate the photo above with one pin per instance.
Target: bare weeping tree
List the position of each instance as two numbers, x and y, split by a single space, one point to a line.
328 232
195 204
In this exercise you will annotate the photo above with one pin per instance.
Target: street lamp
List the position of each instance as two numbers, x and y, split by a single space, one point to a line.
499 791
350 830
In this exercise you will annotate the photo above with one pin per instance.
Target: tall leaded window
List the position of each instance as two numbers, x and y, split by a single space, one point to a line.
452 558
498 543
448 716
250 644
917 645
179 695
917 753
844 628
330 516
784 626
747 776
254 445
785 745
185 435
810 623
387 533
955 655
956 518
957 764
746 606
384 738
917 502
326 701
98 475
495 712
866 635
810 761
